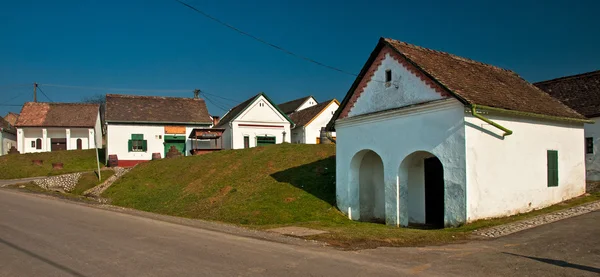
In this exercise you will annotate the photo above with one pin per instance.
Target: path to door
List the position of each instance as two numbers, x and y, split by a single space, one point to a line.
78 240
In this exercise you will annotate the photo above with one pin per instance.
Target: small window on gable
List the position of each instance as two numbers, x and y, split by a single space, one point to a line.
388 75
589 145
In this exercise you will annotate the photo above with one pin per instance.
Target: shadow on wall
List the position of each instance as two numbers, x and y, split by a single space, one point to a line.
317 178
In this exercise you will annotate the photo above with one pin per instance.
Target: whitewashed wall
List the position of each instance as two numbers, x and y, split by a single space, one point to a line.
118 137
394 136
313 130
509 176
8 141
592 161
307 104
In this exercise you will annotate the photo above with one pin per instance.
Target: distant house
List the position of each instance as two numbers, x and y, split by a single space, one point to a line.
299 104
8 136
11 118
582 93
44 127
427 137
139 126
309 122
255 122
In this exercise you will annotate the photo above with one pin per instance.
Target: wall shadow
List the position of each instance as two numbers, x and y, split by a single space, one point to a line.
560 263
481 129
316 178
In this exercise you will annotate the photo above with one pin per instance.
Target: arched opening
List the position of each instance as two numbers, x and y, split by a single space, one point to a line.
79 144
367 168
424 175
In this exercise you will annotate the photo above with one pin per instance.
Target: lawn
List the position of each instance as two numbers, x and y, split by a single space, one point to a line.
89 180
21 166
273 186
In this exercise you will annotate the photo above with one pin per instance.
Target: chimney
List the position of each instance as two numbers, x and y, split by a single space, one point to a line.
216 120
196 93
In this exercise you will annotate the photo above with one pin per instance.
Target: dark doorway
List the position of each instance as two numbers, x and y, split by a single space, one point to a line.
79 144
434 193
58 144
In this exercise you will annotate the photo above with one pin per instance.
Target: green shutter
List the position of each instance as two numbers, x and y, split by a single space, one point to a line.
137 136
552 168
130 145
144 145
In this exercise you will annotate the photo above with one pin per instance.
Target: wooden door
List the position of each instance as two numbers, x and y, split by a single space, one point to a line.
58 144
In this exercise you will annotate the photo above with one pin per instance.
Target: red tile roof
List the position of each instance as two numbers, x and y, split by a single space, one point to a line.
155 109
581 92
305 116
36 114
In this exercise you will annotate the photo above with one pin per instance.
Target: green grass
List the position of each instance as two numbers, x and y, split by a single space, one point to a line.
273 186
21 166
89 180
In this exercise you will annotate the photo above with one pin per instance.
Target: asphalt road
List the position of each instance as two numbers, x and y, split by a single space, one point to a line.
48 237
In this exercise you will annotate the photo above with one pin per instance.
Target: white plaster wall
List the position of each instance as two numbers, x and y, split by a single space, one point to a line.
405 89
118 136
82 134
372 189
298 135
307 104
8 141
592 161
313 130
25 136
227 138
509 176
261 111
97 133
437 128
416 190
240 131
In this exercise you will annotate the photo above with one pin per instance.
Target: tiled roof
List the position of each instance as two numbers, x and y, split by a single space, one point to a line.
11 118
155 109
303 117
237 110
291 106
36 114
471 82
6 126
580 92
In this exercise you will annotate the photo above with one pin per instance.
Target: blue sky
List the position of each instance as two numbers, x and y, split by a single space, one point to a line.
162 45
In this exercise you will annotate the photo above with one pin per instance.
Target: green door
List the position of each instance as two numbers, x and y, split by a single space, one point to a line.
177 141
262 141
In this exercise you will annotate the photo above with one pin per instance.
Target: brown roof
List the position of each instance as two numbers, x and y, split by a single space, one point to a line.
155 109
36 114
471 82
237 110
291 106
305 116
12 118
6 126
580 92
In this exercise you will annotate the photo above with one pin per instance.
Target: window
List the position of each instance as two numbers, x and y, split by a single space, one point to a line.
79 144
137 143
589 145
38 144
246 142
388 76
552 165
33 144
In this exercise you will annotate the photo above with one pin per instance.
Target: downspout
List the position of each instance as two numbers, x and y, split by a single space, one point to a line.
507 132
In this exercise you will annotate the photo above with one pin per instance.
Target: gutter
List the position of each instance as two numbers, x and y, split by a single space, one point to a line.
507 132
528 114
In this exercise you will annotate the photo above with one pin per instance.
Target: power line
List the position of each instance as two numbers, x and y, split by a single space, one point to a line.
224 98
264 41
215 104
44 93
116 89
14 86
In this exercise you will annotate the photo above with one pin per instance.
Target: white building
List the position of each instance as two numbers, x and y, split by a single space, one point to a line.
8 136
582 93
44 127
309 122
299 104
139 126
255 122
426 137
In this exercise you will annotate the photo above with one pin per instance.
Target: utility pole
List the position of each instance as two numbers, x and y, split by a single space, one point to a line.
35 92
196 93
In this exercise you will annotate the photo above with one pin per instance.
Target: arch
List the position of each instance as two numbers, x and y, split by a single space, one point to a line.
79 144
366 171
423 174
38 144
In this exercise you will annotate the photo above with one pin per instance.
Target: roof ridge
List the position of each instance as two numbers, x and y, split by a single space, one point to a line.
448 54
585 74
132 96
61 103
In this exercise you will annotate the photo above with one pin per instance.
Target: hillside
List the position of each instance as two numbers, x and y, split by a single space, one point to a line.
21 166
279 184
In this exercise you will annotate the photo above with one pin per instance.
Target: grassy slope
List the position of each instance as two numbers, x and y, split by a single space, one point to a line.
20 166
268 187
89 180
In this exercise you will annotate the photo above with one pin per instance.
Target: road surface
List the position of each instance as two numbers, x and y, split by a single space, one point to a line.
41 236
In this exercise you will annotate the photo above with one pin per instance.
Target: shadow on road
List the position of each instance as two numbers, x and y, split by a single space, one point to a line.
58 266
558 263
